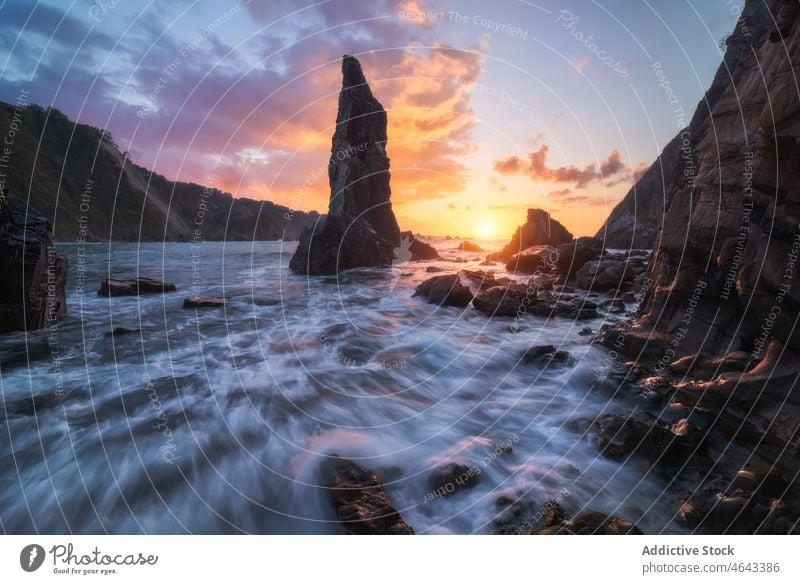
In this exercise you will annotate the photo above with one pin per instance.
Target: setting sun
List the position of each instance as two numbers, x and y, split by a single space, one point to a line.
486 230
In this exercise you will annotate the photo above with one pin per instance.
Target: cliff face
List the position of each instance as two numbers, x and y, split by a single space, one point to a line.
725 276
360 229
34 275
74 171
636 222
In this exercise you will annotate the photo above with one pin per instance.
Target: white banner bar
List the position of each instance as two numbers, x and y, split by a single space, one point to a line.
350 559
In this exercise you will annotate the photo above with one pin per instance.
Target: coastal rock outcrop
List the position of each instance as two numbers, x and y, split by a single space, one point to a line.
539 229
724 276
34 274
134 287
360 229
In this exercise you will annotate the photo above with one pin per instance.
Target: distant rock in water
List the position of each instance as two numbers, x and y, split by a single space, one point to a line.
540 229
418 249
204 302
469 246
134 287
34 274
360 229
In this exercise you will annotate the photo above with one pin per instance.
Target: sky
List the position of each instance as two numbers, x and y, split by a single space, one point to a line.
493 107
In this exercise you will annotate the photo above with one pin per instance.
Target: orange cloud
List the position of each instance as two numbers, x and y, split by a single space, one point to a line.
536 168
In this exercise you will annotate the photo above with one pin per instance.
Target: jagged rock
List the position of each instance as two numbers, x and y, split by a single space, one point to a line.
134 287
469 246
593 523
34 273
360 502
540 229
204 302
360 229
445 291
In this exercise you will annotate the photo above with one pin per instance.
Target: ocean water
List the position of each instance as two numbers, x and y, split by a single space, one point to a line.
217 420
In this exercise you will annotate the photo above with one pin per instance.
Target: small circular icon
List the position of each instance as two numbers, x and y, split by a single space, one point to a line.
31 557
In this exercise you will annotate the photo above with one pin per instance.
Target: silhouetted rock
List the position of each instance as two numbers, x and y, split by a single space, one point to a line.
419 250
360 229
359 501
34 274
469 246
571 257
540 229
134 287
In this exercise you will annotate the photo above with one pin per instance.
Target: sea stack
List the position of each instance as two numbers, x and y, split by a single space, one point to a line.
34 274
360 229
539 229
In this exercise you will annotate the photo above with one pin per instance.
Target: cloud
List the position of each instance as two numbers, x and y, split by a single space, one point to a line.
535 167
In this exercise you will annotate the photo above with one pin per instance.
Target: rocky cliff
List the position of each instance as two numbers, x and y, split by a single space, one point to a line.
724 282
33 273
636 222
75 173
360 229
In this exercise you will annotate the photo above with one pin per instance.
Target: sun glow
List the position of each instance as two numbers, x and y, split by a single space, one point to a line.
486 230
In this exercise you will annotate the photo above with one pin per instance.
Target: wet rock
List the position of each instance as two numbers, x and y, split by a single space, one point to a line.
582 314
204 302
540 229
547 356
134 287
34 274
469 246
509 300
445 291
533 261
596 523
433 269
359 500
571 257
608 274
453 477
360 229
710 509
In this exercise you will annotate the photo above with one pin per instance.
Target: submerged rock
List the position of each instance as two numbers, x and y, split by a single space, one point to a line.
34 273
134 287
547 356
359 501
204 302
453 477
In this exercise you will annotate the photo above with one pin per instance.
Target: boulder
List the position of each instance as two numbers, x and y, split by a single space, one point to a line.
34 274
508 300
608 273
445 291
536 260
360 229
418 249
134 287
571 257
359 501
